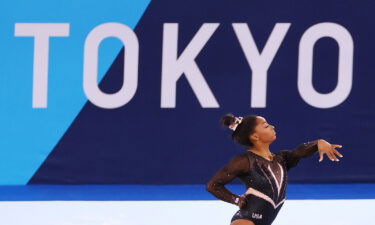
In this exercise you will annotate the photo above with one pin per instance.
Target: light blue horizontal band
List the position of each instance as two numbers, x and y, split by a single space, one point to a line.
171 192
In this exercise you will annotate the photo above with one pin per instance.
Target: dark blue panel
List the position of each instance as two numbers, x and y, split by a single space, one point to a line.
141 143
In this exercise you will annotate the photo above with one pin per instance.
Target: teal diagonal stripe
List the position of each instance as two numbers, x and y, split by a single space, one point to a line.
28 135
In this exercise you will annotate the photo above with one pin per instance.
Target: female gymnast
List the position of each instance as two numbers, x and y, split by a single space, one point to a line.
264 173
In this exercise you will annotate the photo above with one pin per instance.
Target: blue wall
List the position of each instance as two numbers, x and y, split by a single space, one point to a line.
74 141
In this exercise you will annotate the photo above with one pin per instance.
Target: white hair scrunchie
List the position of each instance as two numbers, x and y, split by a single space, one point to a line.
236 122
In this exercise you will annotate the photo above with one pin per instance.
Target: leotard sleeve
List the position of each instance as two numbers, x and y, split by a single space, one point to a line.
292 157
237 166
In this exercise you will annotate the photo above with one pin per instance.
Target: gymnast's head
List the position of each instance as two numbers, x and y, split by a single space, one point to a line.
250 129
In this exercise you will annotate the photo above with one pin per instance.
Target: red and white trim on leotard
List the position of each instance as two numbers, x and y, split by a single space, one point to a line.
263 196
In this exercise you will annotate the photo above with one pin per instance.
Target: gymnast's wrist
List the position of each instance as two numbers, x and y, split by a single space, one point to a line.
240 201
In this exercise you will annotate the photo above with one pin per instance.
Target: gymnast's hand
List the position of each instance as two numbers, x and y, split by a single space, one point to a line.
242 203
329 149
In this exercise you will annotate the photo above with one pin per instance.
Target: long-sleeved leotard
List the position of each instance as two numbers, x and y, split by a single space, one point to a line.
265 181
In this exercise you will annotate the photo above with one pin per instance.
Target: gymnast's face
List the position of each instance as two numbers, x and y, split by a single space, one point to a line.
263 131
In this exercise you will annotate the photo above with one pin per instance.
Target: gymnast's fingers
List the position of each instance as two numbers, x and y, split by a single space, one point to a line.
337 146
329 155
243 203
337 153
320 156
332 156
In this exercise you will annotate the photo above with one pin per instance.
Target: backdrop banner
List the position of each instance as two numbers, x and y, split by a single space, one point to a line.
131 92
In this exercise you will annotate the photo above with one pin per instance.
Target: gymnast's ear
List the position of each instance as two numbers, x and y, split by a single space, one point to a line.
254 137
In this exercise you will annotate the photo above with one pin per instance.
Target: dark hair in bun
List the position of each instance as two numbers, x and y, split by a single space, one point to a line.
227 120
243 130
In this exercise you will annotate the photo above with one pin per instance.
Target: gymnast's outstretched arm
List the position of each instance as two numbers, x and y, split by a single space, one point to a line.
307 149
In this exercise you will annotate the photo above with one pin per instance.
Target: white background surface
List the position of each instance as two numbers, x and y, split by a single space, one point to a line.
294 212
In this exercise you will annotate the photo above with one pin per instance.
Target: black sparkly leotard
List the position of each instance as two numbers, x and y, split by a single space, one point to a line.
265 182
